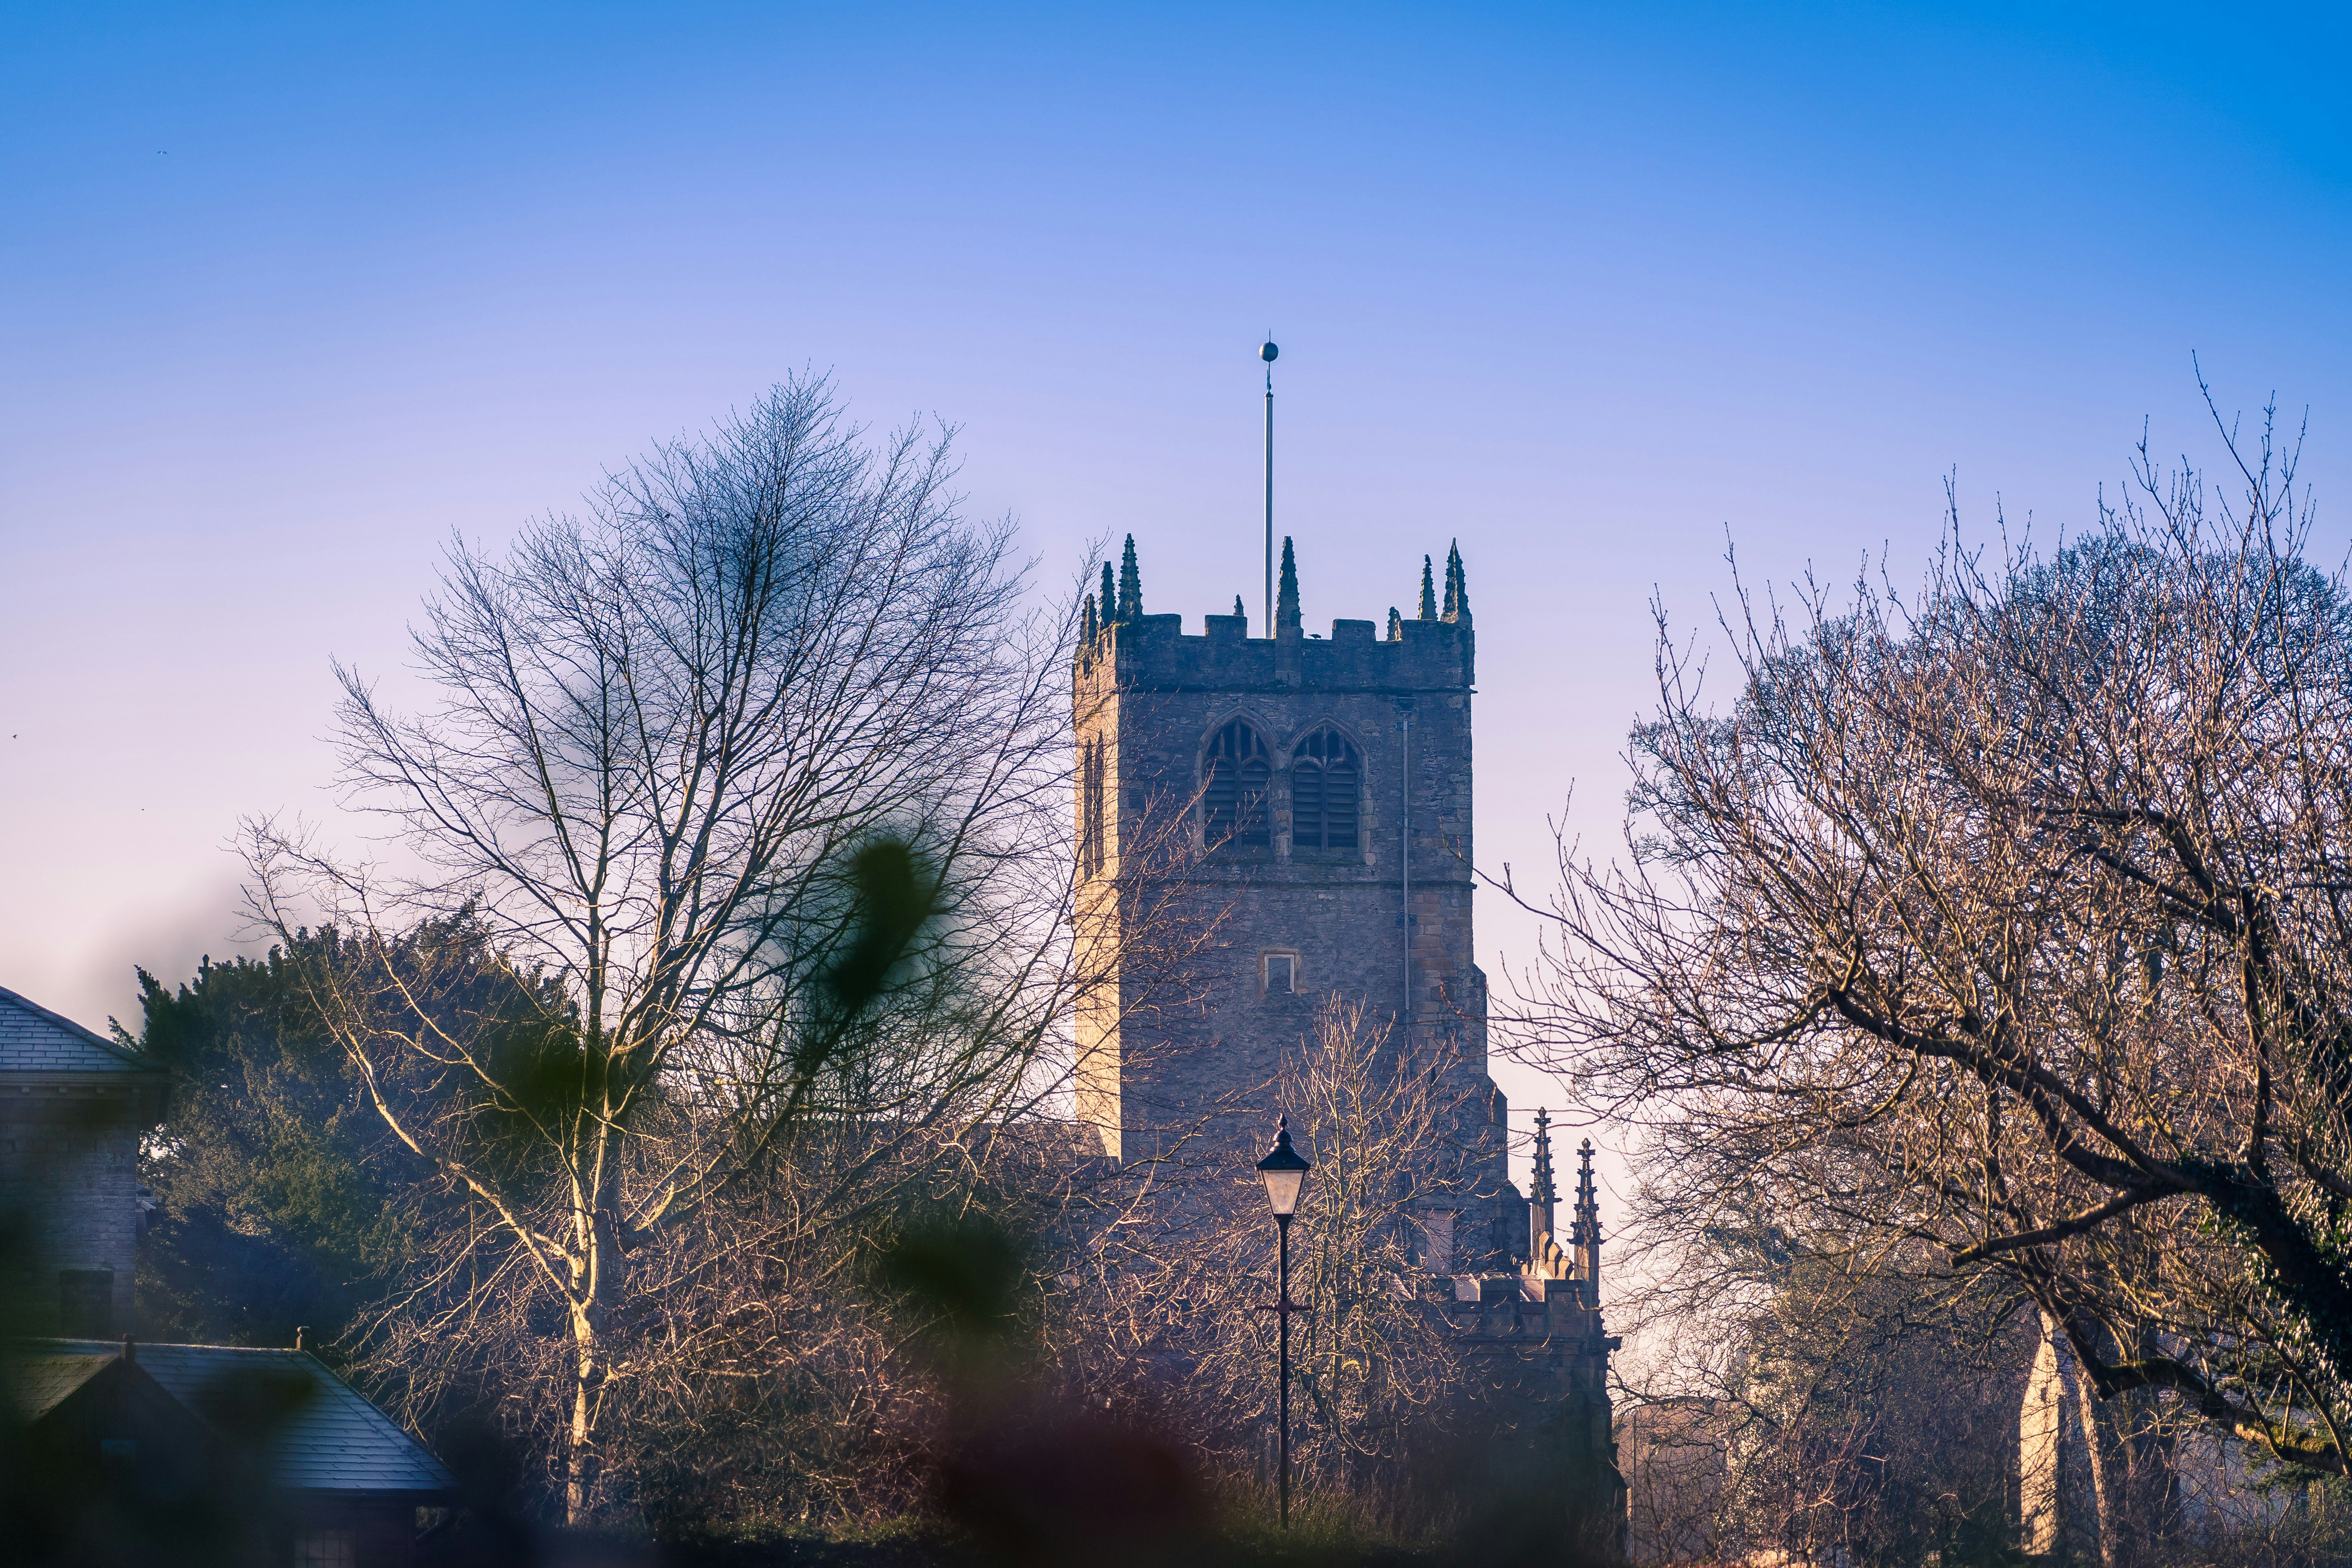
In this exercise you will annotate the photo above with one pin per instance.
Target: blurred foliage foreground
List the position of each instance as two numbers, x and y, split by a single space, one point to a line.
895 1391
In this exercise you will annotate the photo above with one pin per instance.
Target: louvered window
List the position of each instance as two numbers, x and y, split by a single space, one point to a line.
1233 795
1323 780
1092 829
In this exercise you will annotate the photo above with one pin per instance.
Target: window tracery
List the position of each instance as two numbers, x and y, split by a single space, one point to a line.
1234 788
1323 778
1092 829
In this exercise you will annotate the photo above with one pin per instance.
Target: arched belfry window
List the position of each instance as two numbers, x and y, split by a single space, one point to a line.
1091 827
1323 774
1232 794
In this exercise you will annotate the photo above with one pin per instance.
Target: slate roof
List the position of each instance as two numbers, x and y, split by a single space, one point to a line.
39 1380
34 1039
331 1439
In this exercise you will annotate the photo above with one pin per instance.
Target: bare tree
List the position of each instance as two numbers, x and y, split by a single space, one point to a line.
1382 1123
1189 1263
1791 1403
758 772
2012 921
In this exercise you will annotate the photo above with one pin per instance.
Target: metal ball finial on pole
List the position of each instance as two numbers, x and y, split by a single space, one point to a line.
1268 353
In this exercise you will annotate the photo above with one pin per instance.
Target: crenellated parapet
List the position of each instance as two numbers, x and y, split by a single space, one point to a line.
1131 651
1154 653
1529 1311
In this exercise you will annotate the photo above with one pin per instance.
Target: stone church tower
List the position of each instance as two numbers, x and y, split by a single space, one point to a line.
1311 794
1306 799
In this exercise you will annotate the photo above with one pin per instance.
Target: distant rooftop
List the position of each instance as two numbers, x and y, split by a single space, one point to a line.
329 1440
42 1377
34 1039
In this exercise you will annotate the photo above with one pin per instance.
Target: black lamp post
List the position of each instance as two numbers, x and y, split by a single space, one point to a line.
1284 1174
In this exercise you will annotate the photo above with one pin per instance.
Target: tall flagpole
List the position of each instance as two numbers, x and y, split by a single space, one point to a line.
1267 353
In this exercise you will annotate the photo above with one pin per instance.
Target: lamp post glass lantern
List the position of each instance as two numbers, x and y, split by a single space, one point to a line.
1284 1171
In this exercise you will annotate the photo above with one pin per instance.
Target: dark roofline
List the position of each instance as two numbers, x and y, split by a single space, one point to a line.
114 1346
111 1351
139 1062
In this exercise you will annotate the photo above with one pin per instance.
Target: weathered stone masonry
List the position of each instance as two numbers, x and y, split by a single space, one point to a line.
1365 739
73 1107
1151 702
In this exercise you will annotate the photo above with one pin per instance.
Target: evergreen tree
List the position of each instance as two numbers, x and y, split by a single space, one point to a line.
280 1200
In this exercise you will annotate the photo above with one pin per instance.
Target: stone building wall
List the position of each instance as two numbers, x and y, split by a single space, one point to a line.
73 1106
69 1180
1535 1359
1162 1060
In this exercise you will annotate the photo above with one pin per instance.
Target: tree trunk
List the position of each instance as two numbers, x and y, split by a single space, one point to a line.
591 1313
580 1475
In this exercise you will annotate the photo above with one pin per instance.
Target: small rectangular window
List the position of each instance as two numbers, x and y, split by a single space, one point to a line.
1281 973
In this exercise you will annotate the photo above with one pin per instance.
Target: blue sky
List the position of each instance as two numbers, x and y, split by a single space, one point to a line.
289 294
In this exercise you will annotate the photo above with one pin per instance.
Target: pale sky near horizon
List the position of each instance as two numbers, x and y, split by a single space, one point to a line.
289 294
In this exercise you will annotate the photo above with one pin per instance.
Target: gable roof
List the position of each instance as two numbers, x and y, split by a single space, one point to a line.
34 1039
38 1381
324 1437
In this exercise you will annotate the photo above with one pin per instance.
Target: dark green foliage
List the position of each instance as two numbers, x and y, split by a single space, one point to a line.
539 1067
871 942
273 1208
283 1200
